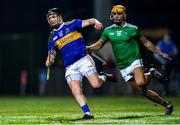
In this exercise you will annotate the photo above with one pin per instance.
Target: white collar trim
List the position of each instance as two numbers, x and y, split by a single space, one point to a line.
125 24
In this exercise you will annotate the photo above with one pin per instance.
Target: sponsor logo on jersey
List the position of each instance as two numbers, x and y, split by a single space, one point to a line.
67 39
111 34
67 30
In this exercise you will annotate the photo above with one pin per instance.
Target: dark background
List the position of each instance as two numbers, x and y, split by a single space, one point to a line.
24 32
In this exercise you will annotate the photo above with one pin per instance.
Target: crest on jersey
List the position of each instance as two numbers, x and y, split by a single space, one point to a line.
60 33
67 30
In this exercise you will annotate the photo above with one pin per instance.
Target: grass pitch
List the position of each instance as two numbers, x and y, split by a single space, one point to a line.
64 110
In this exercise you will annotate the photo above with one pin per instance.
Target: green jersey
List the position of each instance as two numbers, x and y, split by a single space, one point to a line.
124 43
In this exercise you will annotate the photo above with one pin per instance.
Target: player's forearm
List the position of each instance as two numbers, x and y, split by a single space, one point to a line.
91 21
154 49
150 46
95 46
88 22
158 51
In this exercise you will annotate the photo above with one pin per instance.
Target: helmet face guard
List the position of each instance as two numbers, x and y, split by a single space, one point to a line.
118 9
55 12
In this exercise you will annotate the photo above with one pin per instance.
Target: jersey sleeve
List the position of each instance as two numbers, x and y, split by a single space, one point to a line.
77 23
135 32
104 36
51 46
138 33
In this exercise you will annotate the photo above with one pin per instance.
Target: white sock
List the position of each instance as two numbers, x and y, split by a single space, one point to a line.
89 113
169 105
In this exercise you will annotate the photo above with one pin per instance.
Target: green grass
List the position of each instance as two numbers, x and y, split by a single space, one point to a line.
106 110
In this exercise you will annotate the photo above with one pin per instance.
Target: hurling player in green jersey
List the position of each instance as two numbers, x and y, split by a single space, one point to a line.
124 38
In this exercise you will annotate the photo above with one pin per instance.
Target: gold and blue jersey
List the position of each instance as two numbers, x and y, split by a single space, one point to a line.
69 41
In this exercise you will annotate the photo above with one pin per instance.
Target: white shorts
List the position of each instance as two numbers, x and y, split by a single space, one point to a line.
127 73
83 67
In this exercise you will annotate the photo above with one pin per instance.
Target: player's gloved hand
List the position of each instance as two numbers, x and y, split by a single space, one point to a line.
98 25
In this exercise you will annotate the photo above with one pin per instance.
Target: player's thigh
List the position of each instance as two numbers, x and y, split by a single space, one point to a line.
127 73
89 71
93 79
91 60
87 68
86 65
72 73
139 76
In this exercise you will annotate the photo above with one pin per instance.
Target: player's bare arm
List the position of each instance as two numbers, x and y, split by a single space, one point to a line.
98 25
150 46
95 46
51 58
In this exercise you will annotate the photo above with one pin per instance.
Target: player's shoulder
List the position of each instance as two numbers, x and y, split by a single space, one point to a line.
129 25
109 28
71 22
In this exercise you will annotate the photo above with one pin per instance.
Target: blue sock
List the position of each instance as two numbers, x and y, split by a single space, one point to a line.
85 108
